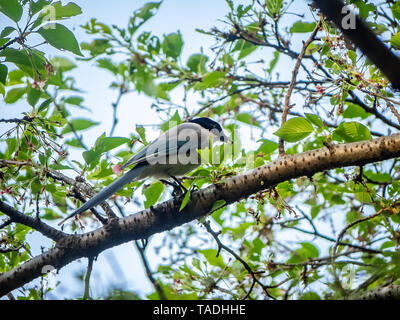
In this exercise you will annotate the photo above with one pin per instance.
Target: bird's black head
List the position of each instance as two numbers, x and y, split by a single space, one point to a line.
208 124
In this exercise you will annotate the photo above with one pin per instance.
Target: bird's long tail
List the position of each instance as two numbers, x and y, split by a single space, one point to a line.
108 191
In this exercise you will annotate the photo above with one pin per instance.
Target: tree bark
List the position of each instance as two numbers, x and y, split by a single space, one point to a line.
391 292
166 215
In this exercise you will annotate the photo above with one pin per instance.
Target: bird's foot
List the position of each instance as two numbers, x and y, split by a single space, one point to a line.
177 188
179 183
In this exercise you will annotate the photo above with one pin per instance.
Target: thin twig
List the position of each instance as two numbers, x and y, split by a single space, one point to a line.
342 233
9 43
114 105
394 111
215 235
287 105
149 273
86 294
318 234
11 249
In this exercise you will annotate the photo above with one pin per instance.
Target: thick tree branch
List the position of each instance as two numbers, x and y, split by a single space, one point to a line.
391 292
31 222
166 215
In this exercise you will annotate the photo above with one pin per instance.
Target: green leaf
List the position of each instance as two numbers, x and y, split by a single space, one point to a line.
172 45
302 27
174 121
227 59
15 56
244 47
56 11
353 56
273 62
197 63
211 256
242 11
152 193
74 143
141 131
6 31
248 119
396 10
218 204
267 146
310 296
211 79
141 15
355 111
103 171
351 132
315 210
24 57
49 215
12 9
3 73
295 129
3 41
310 250
314 119
388 244
274 7
60 37
364 7
91 157
69 10
44 105
185 201
106 63
33 96
105 144
395 40
78 125
74 100
382 177
14 94
62 64
38 5
11 146
96 47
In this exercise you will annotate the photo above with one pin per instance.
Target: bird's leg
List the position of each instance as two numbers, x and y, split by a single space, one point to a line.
183 189
177 188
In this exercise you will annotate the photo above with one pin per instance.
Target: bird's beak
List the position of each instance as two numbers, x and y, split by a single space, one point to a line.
224 138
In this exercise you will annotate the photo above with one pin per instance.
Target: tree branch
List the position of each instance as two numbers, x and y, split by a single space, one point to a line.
33 223
164 216
391 292
149 273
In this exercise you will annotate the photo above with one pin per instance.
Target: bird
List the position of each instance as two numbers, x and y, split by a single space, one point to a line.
171 155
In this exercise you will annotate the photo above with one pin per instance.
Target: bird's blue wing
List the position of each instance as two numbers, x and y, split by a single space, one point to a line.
157 149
